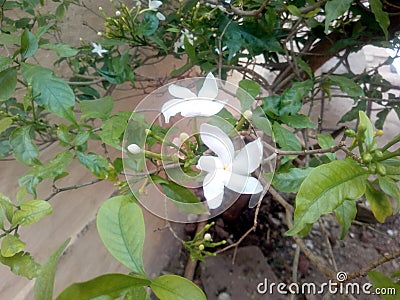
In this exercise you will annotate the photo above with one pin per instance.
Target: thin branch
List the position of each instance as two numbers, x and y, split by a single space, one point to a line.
73 187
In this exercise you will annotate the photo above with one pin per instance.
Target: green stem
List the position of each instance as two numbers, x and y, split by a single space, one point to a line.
389 155
393 141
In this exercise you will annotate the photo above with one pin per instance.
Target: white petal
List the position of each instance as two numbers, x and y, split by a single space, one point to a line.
210 88
171 108
209 163
160 16
154 4
181 92
248 159
217 141
244 184
201 107
213 191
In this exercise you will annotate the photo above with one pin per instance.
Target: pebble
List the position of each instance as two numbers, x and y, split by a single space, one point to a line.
224 296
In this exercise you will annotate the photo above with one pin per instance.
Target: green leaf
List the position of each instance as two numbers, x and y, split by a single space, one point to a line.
121 227
345 214
9 39
368 131
298 121
352 114
22 264
24 150
285 139
173 287
5 61
148 25
29 44
247 91
381 16
5 123
294 10
325 188
292 98
250 86
8 83
384 283
182 197
7 206
304 66
380 204
11 245
326 141
113 129
260 121
54 168
97 164
108 286
334 9
99 108
347 85
289 182
50 91
390 187
31 212
62 50
137 293
44 284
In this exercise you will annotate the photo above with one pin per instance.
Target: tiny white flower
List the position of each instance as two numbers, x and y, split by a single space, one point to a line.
228 169
181 42
97 48
201 247
99 33
118 13
100 8
207 237
154 5
191 105
134 149
138 3
223 48
160 16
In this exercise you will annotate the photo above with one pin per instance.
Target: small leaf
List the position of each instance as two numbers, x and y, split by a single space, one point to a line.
334 9
380 204
5 123
246 100
29 44
31 212
8 83
22 264
62 50
11 245
325 188
7 206
285 139
304 66
112 130
326 141
345 214
97 164
292 98
148 25
250 86
298 121
261 121
108 286
44 284
137 293
294 10
366 123
390 187
381 16
384 283
9 39
24 150
290 182
99 108
347 85
173 287
121 227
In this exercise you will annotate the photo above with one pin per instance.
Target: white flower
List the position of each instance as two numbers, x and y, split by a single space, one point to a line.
180 43
207 237
118 13
134 149
228 169
98 49
154 5
189 104
223 48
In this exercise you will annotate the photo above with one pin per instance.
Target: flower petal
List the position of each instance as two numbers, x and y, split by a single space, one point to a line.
160 16
248 158
171 108
181 92
244 184
210 88
217 141
209 163
213 189
201 107
154 4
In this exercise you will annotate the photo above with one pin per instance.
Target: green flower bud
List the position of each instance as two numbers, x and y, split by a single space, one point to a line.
367 157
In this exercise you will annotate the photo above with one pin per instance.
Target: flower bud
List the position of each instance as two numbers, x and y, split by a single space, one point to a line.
207 237
134 149
248 115
183 136
379 132
147 131
99 33
201 247
118 13
100 8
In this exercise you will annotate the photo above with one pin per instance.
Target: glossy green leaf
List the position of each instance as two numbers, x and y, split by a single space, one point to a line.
99 108
148 25
44 284
5 123
62 50
260 121
24 149
97 164
173 287
326 141
334 9
325 188
31 212
345 214
368 135
108 286
378 201
11 245
292 98
8 83
390 187
22 264
294 10
347 85
29 44
290 182
246 93
113 129
391 288
49 91
121 227
284 138
381 16
37 174
298 121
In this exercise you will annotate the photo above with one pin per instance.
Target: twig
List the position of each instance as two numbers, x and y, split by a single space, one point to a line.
191 265
73 187
328 244
295 268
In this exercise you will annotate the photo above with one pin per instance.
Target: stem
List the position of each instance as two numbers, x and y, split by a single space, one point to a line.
393 141
389 155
